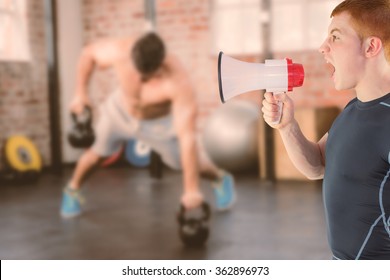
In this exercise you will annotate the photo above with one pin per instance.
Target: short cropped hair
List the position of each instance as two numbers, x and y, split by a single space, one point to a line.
148 53
369 18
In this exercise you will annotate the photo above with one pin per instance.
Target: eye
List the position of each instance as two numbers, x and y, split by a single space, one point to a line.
333 38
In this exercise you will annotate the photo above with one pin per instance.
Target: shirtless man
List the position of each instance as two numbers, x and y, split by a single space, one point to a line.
155 103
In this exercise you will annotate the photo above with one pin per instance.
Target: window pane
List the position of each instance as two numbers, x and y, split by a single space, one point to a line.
13 29
287 26
236 26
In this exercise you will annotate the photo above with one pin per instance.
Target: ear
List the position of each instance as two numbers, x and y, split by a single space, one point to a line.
373 46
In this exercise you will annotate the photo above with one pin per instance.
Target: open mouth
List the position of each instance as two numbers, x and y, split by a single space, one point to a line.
330 68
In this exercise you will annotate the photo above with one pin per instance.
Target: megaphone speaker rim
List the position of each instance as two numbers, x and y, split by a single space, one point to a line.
220 77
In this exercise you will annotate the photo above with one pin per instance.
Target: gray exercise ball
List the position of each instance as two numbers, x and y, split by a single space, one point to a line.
230 136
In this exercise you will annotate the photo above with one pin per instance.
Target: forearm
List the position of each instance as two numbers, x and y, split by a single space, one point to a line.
83 72
185 119
189 159
305 155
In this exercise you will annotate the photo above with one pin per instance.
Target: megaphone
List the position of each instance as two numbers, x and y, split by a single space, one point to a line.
275 75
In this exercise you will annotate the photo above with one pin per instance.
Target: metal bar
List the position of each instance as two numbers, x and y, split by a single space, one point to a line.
268 132
53 87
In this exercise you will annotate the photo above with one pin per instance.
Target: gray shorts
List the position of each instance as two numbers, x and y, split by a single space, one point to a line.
115 126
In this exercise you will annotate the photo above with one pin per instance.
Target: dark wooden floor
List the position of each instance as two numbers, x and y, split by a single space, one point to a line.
129 215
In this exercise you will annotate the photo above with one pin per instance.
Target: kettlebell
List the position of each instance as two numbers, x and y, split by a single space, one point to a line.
194 231
81 134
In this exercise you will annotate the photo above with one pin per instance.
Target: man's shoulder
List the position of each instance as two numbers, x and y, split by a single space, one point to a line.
110 51
174 62
351 102
112 44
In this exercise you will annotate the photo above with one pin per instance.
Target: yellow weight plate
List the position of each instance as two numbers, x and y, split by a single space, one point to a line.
21 154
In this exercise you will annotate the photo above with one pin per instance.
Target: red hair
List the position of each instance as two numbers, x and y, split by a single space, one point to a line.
369 18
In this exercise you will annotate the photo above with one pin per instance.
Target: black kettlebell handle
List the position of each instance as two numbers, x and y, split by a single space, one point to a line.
86 115
205 211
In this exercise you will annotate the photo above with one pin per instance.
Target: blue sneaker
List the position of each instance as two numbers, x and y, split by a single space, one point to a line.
224 191
71 203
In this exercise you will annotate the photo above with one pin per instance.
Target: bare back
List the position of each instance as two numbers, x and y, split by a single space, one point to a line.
142 99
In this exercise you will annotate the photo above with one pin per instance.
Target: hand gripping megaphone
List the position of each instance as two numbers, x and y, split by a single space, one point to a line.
275 75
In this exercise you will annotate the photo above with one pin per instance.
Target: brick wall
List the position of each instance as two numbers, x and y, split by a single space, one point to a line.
23 89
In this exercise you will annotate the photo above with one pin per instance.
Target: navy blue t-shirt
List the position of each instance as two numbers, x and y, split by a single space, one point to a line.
356 184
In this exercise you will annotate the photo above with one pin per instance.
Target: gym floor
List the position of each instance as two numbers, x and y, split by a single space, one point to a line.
129 215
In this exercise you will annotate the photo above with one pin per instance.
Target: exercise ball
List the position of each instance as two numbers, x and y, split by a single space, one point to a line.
230 136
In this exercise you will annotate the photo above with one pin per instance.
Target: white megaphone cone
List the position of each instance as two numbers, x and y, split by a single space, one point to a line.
275 75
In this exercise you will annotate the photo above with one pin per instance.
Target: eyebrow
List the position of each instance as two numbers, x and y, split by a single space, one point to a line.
335 30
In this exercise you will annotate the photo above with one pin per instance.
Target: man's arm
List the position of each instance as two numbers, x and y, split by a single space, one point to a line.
308 157
101 54
185 115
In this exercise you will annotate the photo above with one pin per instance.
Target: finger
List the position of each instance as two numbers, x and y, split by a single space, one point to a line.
271 121
270 114
273 107
269 96
76 109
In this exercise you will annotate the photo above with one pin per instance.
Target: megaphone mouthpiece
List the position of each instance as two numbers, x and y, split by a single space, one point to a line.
275 75
296 74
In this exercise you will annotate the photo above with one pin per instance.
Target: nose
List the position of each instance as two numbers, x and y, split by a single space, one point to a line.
324 47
